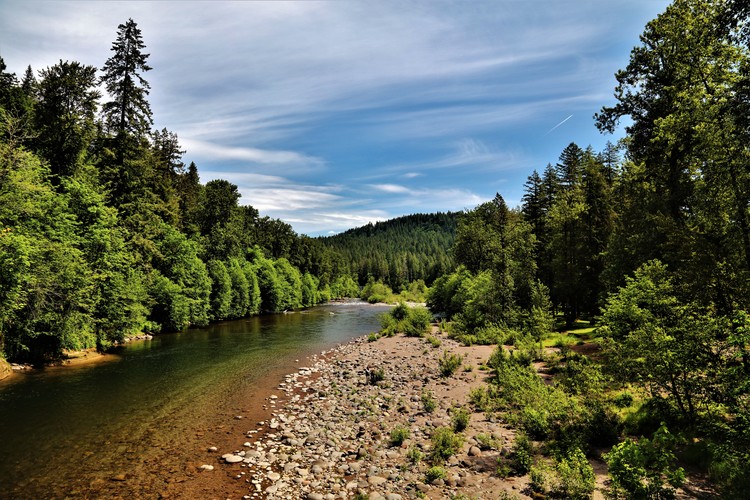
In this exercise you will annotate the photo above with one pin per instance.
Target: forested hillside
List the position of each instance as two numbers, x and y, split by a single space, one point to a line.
105 232
399 251
647 241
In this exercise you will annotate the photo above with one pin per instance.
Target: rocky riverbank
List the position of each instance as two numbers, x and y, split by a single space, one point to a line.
330 424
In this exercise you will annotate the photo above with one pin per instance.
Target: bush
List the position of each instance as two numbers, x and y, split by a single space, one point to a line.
539 478
449 363
460 419
399 435
428 401
624 400
375 375
576 477
445 444
414 455
412 321
418 321
373 337
434 342
435 473
521 454
485 441
640 469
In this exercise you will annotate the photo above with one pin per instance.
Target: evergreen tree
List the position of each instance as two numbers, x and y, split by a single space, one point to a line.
128 114
65 113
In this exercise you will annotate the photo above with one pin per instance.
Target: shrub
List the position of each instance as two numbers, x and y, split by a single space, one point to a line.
434 473
373 337
414 455
445 444
428 401
580 376
521 454
624 400
640 469
434 342
449 363
412 321
460 419
539 478
399 435
485 441
536 422
576 477
375 375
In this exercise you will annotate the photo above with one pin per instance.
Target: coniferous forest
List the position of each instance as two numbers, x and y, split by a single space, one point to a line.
625 271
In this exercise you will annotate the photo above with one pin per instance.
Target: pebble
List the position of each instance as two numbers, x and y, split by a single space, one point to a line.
330 434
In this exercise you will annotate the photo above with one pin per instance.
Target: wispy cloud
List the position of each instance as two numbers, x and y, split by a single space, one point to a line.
248 154
314 108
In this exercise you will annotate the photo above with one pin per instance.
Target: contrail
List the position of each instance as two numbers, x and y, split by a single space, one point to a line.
558 125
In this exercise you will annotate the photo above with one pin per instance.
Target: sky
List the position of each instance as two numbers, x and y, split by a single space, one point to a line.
332 114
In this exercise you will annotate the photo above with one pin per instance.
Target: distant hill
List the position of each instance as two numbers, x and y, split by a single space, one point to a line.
401 250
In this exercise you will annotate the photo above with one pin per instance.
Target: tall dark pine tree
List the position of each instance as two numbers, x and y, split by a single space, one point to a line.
128 115
124 163
570 168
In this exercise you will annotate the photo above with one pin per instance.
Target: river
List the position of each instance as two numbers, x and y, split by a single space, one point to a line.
69 431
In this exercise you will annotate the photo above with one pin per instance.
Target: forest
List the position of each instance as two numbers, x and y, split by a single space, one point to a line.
625 276
399 251
106 233
625 272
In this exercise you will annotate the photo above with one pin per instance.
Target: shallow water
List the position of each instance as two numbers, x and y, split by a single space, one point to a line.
64 430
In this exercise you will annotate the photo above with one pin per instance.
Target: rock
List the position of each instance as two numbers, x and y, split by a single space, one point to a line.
314 496
213 449
232 459
393 496
474 451
119 477
376 480
274 476
206 467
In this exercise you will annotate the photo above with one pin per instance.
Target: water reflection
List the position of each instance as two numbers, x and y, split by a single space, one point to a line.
62 429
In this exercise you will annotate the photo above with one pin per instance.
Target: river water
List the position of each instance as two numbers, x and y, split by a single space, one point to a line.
66 431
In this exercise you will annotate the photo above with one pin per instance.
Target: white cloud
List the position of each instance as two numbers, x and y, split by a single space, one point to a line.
391 188
254 155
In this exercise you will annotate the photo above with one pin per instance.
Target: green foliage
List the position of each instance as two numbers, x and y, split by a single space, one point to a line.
414 455
449 363
221 290
412 321
521 454
485 441
434 473
434 341
445 444
576 476
375 375
375 292
429 404
656 340
399 251
641 469
460 418
398 435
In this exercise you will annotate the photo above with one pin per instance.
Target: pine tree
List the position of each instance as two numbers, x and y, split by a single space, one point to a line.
128 114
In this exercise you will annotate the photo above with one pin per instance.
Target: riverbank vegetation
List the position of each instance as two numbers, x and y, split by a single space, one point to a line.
105 232
648 242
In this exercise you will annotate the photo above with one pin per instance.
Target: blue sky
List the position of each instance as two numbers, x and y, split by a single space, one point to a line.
332 114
